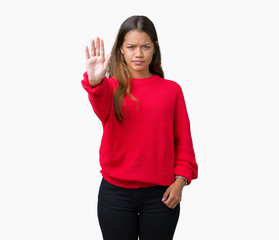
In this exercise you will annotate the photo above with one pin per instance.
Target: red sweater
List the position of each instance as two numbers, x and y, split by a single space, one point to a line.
153 143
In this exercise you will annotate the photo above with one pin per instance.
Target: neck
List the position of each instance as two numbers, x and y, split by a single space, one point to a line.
142 75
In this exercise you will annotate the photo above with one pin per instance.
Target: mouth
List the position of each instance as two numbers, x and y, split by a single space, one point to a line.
138 62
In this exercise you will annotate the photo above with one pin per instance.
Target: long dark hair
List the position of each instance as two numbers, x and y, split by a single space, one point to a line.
119 69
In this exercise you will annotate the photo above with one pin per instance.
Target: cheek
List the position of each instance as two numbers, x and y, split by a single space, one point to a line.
150 56
127 55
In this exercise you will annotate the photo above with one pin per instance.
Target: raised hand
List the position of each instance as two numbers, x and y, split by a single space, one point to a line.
96 64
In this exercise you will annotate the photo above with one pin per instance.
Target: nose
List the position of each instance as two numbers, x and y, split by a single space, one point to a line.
138 52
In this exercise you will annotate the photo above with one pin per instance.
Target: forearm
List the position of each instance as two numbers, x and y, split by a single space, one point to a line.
99 96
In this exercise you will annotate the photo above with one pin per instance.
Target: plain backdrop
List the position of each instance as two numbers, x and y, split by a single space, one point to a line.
224 54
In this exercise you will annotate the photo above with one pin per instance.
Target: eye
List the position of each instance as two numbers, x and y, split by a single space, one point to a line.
130 47
146 47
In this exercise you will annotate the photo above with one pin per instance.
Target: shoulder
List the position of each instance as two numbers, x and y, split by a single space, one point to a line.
172 84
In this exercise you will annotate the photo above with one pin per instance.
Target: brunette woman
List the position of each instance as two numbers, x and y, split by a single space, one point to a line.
146 152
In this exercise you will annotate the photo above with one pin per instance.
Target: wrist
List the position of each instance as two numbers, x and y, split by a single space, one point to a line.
180 182
94 83
181 179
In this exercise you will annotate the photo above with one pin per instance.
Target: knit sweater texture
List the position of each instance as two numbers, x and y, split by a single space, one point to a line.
153 142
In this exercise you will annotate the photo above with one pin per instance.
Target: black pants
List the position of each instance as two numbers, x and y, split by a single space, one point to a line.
126 214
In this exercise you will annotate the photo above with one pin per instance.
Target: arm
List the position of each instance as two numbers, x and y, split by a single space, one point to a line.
185 161
95 82
100 96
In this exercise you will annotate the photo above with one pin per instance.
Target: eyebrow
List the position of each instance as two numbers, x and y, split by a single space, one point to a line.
142 44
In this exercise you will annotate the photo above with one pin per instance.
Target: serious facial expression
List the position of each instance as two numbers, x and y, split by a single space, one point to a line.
138 50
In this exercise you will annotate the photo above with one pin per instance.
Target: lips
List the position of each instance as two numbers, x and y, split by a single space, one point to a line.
138 62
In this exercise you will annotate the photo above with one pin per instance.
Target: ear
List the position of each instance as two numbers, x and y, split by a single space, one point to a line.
121 50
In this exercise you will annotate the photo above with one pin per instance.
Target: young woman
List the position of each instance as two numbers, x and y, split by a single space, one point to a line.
146 152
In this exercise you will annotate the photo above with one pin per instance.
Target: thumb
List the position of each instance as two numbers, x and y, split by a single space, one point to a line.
106 63
166 194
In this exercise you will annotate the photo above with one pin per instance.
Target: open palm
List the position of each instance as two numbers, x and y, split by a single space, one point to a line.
96 64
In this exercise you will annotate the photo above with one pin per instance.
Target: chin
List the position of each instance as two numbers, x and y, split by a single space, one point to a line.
138 69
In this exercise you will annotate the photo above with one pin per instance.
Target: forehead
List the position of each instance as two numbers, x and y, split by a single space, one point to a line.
135 37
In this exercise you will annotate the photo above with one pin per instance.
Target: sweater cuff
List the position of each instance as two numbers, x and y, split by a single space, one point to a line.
184 172
97 89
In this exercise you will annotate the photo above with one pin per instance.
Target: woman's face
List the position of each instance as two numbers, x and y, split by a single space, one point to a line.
138 50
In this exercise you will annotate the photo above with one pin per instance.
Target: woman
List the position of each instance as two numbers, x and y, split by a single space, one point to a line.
146 152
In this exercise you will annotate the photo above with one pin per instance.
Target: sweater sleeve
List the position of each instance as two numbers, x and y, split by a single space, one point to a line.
99 96
185 161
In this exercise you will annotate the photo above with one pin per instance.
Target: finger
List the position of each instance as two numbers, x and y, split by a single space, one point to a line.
166 194
93 51
173 203
170 203
97 46
87 56
102 50
106 63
